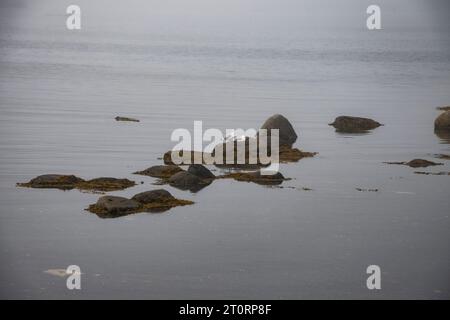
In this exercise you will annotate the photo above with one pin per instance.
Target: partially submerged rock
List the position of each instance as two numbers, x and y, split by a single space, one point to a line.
106 184
256 177
442 123
443 156
153 196
366 190
150 201
200 171
113 205
187 181
68 182
444 135
126 119
417 163
162 171
252 160
293 154
441 173
287 134
354 124
446 108
53 181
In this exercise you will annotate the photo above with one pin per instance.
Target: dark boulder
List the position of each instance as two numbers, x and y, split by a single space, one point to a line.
354 124
200 171
187 181
286 131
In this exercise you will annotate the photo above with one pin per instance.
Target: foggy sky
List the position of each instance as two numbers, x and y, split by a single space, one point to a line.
222 15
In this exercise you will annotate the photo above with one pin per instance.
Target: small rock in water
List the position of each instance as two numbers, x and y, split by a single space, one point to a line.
442 173
417 163
126 119
354 124
443 156
256 177
366 190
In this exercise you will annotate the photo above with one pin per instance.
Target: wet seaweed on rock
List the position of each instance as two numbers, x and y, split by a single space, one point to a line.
154 201
69 182
416 163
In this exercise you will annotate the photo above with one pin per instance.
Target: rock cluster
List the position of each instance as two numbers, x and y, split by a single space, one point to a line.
68 182
158 200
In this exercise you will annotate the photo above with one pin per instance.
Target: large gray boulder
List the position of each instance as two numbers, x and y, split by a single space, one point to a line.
286 131
354 124
442 123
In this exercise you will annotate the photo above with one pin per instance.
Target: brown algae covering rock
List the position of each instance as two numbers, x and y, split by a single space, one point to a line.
158 195
162 171
114 205
150 201
442 123
256 177
441 173
417 163
354 124
293 154
53 181
287 134
126 119
68 182
106 184
443 156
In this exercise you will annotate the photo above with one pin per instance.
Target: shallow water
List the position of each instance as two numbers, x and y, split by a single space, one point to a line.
60 92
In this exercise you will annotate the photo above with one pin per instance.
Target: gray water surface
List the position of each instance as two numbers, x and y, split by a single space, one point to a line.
60 92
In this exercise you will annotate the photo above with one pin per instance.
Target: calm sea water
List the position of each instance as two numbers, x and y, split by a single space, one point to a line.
60 92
